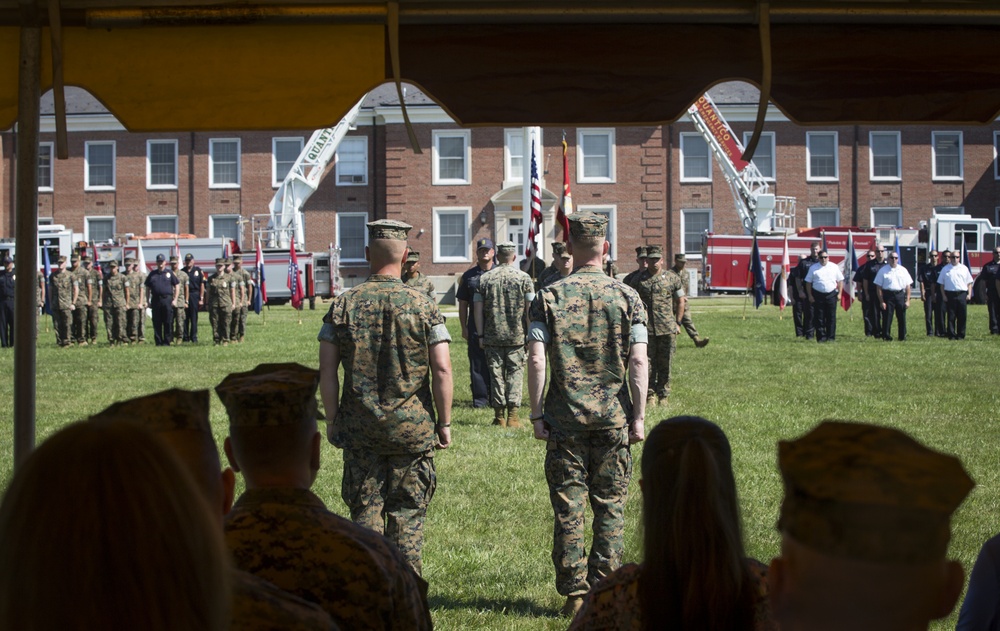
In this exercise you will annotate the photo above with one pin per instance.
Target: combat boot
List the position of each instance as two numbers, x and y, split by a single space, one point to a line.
573 605
701 342
512 421
500 417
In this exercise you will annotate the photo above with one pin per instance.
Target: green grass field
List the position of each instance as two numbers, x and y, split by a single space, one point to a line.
488 534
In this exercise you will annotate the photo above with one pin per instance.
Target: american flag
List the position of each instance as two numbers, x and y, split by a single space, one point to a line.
566 203
260 291
294 276
535 222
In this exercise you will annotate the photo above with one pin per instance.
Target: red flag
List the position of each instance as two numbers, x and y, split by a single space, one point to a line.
535 222
566 203
294 276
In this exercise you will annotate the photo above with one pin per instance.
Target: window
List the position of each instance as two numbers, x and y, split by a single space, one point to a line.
224 227
451 157
885 155
763 156
888 217
224 163
161 223
284 153
451 235
595 156
696 164
352 236
824 217
99 229
948 210
100 166
161 164
352 161
513 157
45 166
694 224
45 221
947 149
611 213
821 156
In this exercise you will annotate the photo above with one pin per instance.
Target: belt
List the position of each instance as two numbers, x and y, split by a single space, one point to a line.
892 292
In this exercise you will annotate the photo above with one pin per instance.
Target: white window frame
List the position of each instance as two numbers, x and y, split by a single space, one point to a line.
899 216
813 224
996 156
765 136
364 231
86 165
947 210
275 181
45 221
611 210
211 163
708 159
581 158
47 188
102 218
211 226
711 223
899 157
836 157
438 135
512 176
150 218
363 140
961 157
149 165
451 210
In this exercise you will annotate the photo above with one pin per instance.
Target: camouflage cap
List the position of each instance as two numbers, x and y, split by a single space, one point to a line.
61 259
506 246
75 258
585 224
270 395
227 261
559 249
388 229
220 261
166 411
869 493
113 264
654 252
237 258
680 257
413 257
84 257
129 260
640 252
174 259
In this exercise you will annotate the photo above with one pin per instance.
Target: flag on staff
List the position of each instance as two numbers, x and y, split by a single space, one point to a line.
786 267
47 266
850 269
755 276
566 203
225 248
177 250
965 257
260 289
140 257
535 221
899 257
295 276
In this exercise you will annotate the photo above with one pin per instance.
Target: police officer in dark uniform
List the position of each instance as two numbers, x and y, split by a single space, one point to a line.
7 303
808 308
876 314
162 285
467 288
859 284
196 297
989 275
940 307
929 295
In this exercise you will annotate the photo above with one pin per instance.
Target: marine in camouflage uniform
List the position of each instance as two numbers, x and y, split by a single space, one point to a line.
243 285
640 259
40 296
78 330
116 295
413 278
680 262
500 306
661 294
221 297
553 272
62 301
136 307
181 304
392 340
94 285
592 330
283 533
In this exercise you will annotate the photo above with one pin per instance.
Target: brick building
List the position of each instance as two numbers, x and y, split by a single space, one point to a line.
657 184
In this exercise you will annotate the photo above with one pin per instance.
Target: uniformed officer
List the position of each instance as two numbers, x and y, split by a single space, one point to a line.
78 328
135 312
393 343
663 297
562 265
180 305
799 275
221 297
640 261
40 295
63 301
94 285
282 532
680 262
7 280
876 314
414 278
941 310
478 374
990 275
117 293
865 525
162 285
500 305
196 297
243 286
593 353
797 306
928 290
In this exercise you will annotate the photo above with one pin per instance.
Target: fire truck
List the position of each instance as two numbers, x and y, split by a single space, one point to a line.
57 240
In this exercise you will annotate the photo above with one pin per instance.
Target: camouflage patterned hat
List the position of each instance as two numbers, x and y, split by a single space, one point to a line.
506 247
227 261
174 259
74 259
869 493
113 264
584 224
654 252
237 257
388 229
413 257
680 256
270 395
640 252
559 249
84 257
61 260
129 261
166 411
220 261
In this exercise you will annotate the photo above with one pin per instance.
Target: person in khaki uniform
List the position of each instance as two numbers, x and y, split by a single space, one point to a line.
663 297
680 262
244 293
414 278
94 284
640 260
281 532
221 298
500 306
562 265
116 298
135 310
80 276
180 305
63 301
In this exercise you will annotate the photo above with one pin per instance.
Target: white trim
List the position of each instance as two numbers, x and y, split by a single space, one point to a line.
511 176
150 218
809 215
996 158
612 211
81 123
451 210
211 163
836 157
149 165
52 166
86 165
581 158
708 158
275 181
101 218
961 157
711 223
364 231
466 136
764 135
211 225
899 216
46 221
899 157
364 172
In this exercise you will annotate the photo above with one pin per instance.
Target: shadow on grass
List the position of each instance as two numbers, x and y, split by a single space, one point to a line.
520 606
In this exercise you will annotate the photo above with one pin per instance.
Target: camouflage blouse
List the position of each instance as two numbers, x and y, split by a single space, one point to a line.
658 293
505 291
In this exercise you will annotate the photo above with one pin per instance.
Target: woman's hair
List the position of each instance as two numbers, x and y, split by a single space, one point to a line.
102 528
695 573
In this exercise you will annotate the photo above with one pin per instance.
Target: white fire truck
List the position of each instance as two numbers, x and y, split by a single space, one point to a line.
57 240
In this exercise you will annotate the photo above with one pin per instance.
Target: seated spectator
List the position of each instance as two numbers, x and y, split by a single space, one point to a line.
695 573
180 419
865 524
281 532
101 528
981 608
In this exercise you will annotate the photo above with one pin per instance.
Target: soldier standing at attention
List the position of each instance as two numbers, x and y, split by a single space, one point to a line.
180 305
221 297
680 261
928 290
163 287
136 301
94 285
640 260
244 292
7 280
116 297
592 329
393 343
413 277
479 375
663 297
40 293
501 311
196 297
799 274
875 310
63 301
80 277
553 272
990 274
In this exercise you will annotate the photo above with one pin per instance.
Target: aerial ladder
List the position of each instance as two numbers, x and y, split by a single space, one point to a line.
760 210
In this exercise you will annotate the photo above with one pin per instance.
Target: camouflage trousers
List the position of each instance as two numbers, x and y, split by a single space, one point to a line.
133 322
78 331
689 325
220 317
390 495
180 313
238 323
506 368
92 323
114 322
595 465
62 320
661 354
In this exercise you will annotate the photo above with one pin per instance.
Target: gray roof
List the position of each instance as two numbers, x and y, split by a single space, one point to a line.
734 93
78 101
